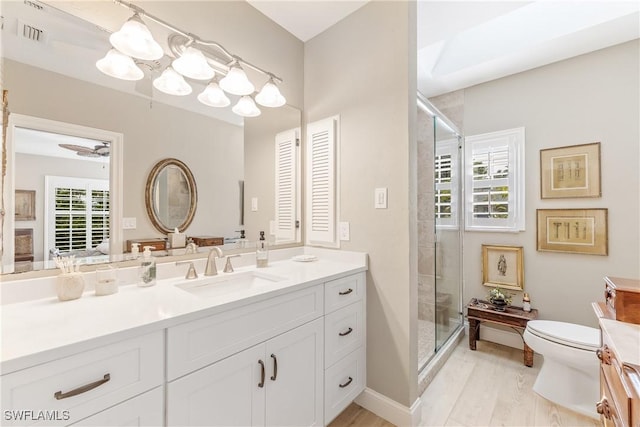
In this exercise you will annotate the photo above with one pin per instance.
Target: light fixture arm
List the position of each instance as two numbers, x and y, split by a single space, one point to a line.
177 50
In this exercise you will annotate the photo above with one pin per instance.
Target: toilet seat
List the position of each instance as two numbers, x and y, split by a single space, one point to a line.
569 334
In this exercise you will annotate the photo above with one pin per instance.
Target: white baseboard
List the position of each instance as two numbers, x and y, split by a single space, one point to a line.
389 409
500 336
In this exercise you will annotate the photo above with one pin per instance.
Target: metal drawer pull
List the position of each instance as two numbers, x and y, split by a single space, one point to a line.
261 383
347 292
342 334
60 395
349 381
603 408
275 367
604 354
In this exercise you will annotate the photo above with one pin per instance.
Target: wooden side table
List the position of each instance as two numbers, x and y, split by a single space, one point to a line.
479 311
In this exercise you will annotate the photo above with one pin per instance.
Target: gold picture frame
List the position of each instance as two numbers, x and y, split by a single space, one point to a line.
582 231
25 205
503 266
572 171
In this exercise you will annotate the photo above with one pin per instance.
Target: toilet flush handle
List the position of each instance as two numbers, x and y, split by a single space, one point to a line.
604 354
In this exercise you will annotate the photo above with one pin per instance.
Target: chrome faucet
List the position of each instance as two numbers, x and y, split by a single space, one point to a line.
191 272
210 269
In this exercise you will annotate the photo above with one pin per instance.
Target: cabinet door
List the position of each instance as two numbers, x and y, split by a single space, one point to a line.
226 393
143 410
295 388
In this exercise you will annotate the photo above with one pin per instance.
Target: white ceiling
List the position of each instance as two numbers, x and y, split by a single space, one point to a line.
37 143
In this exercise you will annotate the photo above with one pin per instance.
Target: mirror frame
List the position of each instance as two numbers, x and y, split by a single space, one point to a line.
149 194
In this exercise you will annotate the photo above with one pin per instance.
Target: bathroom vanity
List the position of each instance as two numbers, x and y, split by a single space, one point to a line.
282 345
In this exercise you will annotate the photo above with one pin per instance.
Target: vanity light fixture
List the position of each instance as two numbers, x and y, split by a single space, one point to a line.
193 64
134 39
246 107
120 66
195 58
172 83
213 96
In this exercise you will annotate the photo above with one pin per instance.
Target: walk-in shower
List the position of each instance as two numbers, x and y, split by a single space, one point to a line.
439 231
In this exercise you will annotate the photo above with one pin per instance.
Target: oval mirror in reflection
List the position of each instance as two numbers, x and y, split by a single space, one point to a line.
171 196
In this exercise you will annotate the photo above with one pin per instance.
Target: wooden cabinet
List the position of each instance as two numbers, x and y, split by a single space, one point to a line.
619 405
144 411
622 299
276 383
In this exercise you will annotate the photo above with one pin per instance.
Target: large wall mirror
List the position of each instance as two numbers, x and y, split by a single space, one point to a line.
57 80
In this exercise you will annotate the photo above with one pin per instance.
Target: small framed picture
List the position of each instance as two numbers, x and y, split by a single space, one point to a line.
580 231
25 205
503 266
572 171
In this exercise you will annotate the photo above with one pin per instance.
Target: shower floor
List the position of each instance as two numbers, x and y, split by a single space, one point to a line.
427 338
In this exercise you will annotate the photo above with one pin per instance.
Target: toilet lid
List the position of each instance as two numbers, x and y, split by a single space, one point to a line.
569 334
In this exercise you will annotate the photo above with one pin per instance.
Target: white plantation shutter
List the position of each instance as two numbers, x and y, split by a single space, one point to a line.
286 190
321 183
494 188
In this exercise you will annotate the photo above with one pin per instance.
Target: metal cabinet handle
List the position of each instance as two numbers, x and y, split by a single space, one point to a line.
342 334
604 354
349 381
60 395
261 383
603 408
275 367
347 292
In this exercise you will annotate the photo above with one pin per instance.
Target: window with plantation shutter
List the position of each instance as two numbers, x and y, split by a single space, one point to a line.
321 183
287 161
494 187
77 213
446 183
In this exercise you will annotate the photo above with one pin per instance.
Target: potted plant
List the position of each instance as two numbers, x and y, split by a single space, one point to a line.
499 298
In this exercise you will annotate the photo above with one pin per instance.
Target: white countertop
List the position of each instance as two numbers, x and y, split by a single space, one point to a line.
40 330
626 337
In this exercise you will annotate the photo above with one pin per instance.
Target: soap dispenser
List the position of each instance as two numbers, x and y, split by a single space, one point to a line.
262 252
135 250
147 268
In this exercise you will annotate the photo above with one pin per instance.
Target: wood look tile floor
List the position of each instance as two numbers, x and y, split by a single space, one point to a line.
487 387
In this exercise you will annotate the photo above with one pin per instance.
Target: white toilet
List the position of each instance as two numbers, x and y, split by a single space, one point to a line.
570 371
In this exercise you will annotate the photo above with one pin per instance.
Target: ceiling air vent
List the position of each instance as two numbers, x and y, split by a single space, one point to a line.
33 4
30 32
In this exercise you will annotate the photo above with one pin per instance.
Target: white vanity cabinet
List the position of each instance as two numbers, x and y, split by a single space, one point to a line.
345 335
68 390
260 364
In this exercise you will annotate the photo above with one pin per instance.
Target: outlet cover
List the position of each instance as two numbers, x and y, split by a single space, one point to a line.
128 223
344 231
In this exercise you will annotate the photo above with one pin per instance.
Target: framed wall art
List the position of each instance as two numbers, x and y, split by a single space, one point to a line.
503 266
25 205
572 171
581 231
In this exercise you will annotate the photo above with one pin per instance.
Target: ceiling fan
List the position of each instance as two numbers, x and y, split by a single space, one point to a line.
100 150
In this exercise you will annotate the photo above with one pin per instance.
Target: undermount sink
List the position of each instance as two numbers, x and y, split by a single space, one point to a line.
237 282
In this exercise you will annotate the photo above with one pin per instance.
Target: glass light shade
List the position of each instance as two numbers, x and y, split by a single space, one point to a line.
135 39
213 96
270 96
246 107
172 83
236 82
120 66
193 64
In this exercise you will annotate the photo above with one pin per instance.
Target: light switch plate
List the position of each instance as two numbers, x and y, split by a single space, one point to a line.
344 231
128 223
254 204
272 227
380 201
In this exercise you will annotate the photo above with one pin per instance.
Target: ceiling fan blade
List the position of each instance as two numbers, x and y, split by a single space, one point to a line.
78 148
102 150
88 154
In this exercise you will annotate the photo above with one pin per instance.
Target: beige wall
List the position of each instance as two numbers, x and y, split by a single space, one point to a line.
593 97
363 69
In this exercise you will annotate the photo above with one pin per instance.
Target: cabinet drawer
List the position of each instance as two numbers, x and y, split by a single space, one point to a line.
344 332
609 414
195 344
342 292
102 377
343 382
144 410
